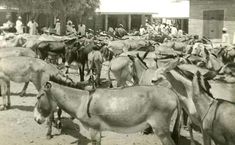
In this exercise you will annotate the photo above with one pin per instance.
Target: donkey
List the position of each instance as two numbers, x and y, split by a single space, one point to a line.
178 78
26 69
95 61
18 51
110 109
122 69
217 115
143 75
78 53
23 69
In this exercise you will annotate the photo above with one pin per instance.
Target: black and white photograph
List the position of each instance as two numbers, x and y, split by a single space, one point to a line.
117 72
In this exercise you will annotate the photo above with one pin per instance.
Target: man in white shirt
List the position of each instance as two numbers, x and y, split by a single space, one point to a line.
142 30
32 27
174 31
82 29
19 25
57 27
225 37
70 28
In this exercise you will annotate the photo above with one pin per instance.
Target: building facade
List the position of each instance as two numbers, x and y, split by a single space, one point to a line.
104 21
209 17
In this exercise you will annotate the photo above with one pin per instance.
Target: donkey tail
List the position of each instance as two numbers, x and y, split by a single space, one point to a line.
177 126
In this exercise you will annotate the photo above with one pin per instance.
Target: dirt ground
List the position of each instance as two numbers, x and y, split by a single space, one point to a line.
17 127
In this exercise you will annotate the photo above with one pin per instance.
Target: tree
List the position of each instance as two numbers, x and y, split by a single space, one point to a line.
59 8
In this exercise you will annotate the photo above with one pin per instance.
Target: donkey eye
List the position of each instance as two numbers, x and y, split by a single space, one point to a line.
38 97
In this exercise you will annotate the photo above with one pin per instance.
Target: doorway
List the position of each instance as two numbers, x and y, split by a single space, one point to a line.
213 22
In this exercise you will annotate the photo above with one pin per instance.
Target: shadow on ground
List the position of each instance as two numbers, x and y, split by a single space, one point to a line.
72 129
186 141
23 108
26 95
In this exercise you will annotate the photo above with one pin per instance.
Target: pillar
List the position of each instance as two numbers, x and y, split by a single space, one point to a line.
151 19
143 20
129 22
106 22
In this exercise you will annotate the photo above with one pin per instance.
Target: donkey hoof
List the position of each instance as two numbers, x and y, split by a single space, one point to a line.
49 136
3 107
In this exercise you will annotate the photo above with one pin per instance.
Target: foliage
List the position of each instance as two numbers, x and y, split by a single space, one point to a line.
80 7
58 8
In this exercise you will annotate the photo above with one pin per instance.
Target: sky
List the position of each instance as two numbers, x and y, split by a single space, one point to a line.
161 8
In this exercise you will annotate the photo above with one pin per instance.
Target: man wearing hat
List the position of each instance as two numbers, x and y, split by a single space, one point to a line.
225 37
19 25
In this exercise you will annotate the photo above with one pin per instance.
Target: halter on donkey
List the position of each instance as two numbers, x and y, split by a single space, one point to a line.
217 115
178 77
110 109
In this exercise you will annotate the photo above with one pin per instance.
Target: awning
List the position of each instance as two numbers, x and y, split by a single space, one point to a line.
160 8
128 7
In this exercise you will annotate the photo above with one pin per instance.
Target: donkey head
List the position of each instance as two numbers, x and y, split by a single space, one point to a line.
44 105
160 72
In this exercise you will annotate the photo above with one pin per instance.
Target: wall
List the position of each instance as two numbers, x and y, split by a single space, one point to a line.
196 14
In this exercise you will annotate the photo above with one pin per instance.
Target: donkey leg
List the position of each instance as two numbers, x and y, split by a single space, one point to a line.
189 124
161 128
22 93
165 136
95 137
8 96
99 69
49 125
206 138
3 94
81 72
59 125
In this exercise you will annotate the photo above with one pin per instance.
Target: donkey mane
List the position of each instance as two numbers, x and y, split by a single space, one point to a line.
142 61
207 87
189 75
68 82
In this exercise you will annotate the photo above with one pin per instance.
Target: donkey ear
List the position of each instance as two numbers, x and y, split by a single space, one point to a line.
145 54
132 58
171 65
47 85
206 51
155 59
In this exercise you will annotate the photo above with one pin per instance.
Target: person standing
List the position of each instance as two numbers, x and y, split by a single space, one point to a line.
82 29
142 30
174 31
225 37
110 31
33 25
19 26
57 27
70 28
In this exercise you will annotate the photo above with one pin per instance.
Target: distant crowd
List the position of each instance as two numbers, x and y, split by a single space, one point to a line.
153 29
